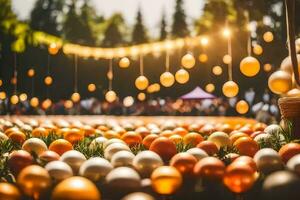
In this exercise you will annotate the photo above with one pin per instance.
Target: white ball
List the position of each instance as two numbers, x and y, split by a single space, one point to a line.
123 178
35 145
145 162
268 160
114 148
221 139
262 137
197 153
111 141
272 129
95 168
99 141
122 158
74 159
59 170
294 164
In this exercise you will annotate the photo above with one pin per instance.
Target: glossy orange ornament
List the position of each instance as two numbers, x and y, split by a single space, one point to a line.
48 156
209 168
149 139
73 135
180 131
60 146
164 147
247 160
111 134
239 177
235 136
166 133
18 160
192 139
184 163
246 146
209 147
17 136
176 139
289 150
131 138
166 180
39 131
259 127
9 192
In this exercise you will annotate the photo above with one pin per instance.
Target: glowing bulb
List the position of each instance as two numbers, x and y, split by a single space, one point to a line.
34 101
124 62
48 80
110 96
91 87
141 96
267 67
23 97
128 101
53 48
226 32
14 99
182 76
68 104
268 36
2 95
167 79
204 41
141 82
217 70
210 87
257 49
46 104
75 97
230 89
242 107
188 61
31 72
203 58
227 59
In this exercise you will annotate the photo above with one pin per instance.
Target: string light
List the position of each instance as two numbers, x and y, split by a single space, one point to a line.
34 102
204 41
30 73
141 96
2 95
128 101
23 97
217 70
91 87
141 82
167 78
110 95
226 32
75 97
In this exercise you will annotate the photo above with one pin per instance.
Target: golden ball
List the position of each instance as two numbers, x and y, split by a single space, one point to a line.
68 104
1 82
203 58
141 96
217 70
242 107
141 82
34 180
227 59
23 97
166 180
48 80
14 99
34 101
210 87
286 64
76 188
9 192
221 139
267 67
128 101
294 93
35 145
46 104
2 95
280 82
53 49
188 61
250 66
257 49
230 89
167 79
182 76
124 62
75 97
268 36
31 72
110 96
91 87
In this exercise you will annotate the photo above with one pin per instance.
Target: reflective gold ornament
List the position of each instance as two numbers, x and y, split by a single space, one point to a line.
221 139
182 76
286 64
124 62
166 180
227 59
257 49
76 188
110 96
141 96
34 180
34 101
267 67
75 97
2 95
249 66
9 192
53 48
48 80
128 101
68 104
91 87
30 72
141 82
230 89
203 58
217 70
14 99
167 79
280 82
268 36
35 145
147 161
23 97
46 104
210 87
294 93
242 107
188 61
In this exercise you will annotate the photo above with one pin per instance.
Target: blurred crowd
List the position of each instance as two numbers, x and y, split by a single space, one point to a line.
265 110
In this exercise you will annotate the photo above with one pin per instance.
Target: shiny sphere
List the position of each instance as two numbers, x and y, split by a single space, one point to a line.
230 89
128 101
203 58
197 153
146 161
138 196
122 158
188 61
257 49
164 147
141 96
110 150
35 145
9 192
242 107
34 102
210 168
59 170
221 139
227 59
289 150
74 159
110 96
286 64
2 95
268 160
46 104
268 36
18 160
141 82
267 67
30 73
184 162
249 66
182 76
48 80
210 87
48 156
14 99
75 97
124 62
217 70
23 97
280 82
167 79
95 168
68 104
91 87
166 180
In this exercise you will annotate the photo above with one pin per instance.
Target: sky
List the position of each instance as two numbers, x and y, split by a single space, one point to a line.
151 9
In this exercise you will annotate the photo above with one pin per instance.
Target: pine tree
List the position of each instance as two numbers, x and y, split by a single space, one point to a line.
179 27
139 31
163 28
112 35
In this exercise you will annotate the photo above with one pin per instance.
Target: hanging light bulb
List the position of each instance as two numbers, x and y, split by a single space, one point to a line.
68 104
210 87
110 96
204 41
230 89
23 97
182 76
242 107
124 62
2 95
280 82
48 80
46 104
226 32
268 36
167 79
141 96
217 70
30 73
267 67
14 80
53 48
141 82
14 99
188 61
75 97
91 87
203 58
128 101
257 49
227 59
34 102
249 66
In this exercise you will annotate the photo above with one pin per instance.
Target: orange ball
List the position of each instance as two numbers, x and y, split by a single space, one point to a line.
149 139
111 134
88 130
60 146
210 168
209 147
235 136
131 138
289 150
176 139
18 160
247 160
180 131
184 163
9 192
10 130
39 131
48 156
259 127
239 177
142 131
192 139
246 146
73 135
166 133
17 136
164 147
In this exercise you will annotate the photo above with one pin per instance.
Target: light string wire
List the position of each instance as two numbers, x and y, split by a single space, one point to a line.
142 64
229 50
167 61
249 41
15 74
76 74
110 74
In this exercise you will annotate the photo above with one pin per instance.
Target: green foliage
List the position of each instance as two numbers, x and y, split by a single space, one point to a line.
137 148
83 147
181 147
139 31
163 27
52 136
113 36
224 151
179 27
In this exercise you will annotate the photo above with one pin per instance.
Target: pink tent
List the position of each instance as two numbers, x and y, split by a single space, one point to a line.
197 93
